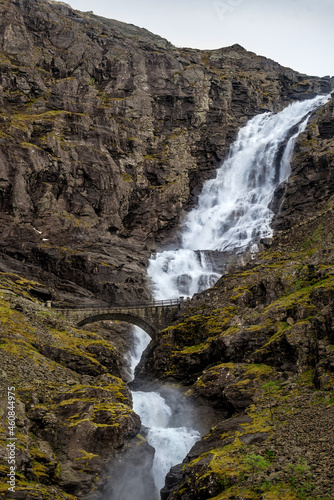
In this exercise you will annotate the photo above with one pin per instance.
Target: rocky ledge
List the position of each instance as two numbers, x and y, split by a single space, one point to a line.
73 409
259 346
107 133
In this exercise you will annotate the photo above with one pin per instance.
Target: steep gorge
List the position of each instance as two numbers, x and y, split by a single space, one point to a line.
107 133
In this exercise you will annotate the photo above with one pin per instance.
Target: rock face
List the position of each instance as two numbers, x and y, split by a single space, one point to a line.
260 342
73 411
309 192
107 133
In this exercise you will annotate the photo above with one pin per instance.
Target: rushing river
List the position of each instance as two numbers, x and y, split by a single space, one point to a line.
232 215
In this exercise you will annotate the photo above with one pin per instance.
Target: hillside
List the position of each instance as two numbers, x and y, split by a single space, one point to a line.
259 347
107 134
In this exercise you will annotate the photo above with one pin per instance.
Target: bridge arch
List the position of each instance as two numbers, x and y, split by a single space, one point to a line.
133 319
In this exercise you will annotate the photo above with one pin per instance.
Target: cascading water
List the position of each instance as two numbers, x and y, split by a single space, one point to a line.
170 435
232 212
170 441
232 215
167 418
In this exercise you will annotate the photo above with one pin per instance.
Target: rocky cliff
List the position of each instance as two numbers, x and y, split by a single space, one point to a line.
72 409
107 133
259 346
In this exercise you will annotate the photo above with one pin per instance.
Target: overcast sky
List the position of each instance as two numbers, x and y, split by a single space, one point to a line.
296 33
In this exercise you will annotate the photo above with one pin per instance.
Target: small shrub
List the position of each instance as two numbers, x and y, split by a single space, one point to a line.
254 464
270 391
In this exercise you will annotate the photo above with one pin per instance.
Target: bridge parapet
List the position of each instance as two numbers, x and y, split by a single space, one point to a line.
151 316
151 303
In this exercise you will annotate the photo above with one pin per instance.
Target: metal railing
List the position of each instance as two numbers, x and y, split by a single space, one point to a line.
151 303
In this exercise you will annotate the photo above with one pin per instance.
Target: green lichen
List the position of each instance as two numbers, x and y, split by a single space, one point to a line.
39 470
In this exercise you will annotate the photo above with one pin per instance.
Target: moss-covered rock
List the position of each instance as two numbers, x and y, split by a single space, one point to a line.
260 349
107 133
72 412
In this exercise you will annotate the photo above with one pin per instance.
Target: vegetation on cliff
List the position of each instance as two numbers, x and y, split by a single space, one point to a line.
260 346
107 133
72 408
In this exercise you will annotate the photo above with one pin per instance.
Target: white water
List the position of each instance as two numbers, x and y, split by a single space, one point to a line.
141 341
232 214
170 441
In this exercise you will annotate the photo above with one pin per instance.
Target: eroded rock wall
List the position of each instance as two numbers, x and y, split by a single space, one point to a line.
259 345
107 133
73 409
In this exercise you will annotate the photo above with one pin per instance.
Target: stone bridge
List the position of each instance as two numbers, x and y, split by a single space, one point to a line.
152 316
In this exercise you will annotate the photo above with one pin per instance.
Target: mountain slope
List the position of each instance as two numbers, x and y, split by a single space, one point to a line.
259 346
107 133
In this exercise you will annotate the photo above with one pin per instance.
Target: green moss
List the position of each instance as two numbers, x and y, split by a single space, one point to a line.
199 325
117 390
273 492
194 349
86 457
22 350
239 292
282 328
112 412
4 469
126 177
16 284
29 145
259 421
223 463
36 452
258 370
229 366
35 489
306 378
229 332
39 470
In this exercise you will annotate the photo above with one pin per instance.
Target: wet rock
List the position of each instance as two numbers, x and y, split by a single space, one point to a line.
231 386
107 134
307 193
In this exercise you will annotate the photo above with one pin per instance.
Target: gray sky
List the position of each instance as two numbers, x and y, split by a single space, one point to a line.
296 33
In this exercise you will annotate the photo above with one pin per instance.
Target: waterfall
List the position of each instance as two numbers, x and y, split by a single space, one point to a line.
167 424
232 212
141 341
232 215
171 442
171 436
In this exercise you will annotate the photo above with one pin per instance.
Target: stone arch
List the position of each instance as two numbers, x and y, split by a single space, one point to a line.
127 317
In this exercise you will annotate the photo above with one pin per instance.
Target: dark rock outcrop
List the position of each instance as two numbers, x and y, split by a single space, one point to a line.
309 192
73 411
261 342
107 133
